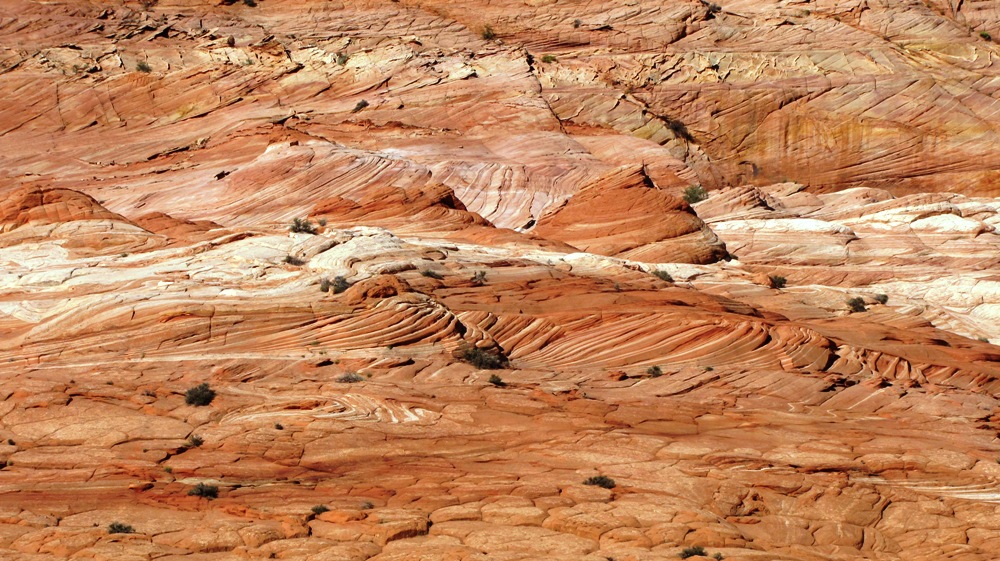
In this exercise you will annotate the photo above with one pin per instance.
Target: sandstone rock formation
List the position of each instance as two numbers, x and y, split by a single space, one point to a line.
499 184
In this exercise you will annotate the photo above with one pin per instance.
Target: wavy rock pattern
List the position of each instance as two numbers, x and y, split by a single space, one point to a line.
516 199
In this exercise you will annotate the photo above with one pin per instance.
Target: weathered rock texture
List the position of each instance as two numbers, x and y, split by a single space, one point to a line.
500 181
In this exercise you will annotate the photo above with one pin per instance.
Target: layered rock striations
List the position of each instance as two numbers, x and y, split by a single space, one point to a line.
340 215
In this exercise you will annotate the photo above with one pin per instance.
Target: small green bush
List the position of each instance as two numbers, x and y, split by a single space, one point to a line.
548 58
342 58
320 509
339 284
143 67
695 194
479 278
119 528
577 23
882 298
195 441
324 285
718 556
488 33
350 378
986 35
602 481
431 274
200 395
654 371
302 226
857 304
497 381
663 275
360 105
484 360
777 281
692 551
294 261
203 490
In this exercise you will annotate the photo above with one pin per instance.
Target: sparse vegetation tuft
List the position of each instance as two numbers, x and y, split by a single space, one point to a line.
882 298
342 58
200 395
986 35
479 278
350 378
577 23
484 360
602 481
548 59
695 194
294 261
195 441
339 284
302 226
857 304
360 105
497 381
204 490
119 528
320 509
144 67
431 274
367 505
692 551
488 33
777 281
654 371
663 275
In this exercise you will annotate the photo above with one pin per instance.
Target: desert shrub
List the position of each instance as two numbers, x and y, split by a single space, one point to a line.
195 441
602 481
367 505
488 33
654 371
324 285
882 298
577 23
694 194
293 260
203 490
548 58
663 275
320 509
360 105
339 284
302 226
342 58
144 67
497 381
691 551
431 274
857 304
279 426
986 35
718 556
479 278
777 281
321 221
119 528
251 3
350 378
484 360
199 395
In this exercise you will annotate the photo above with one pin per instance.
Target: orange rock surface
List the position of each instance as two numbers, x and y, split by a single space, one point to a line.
798 367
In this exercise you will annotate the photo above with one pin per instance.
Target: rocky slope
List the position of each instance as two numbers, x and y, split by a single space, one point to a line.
499 184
